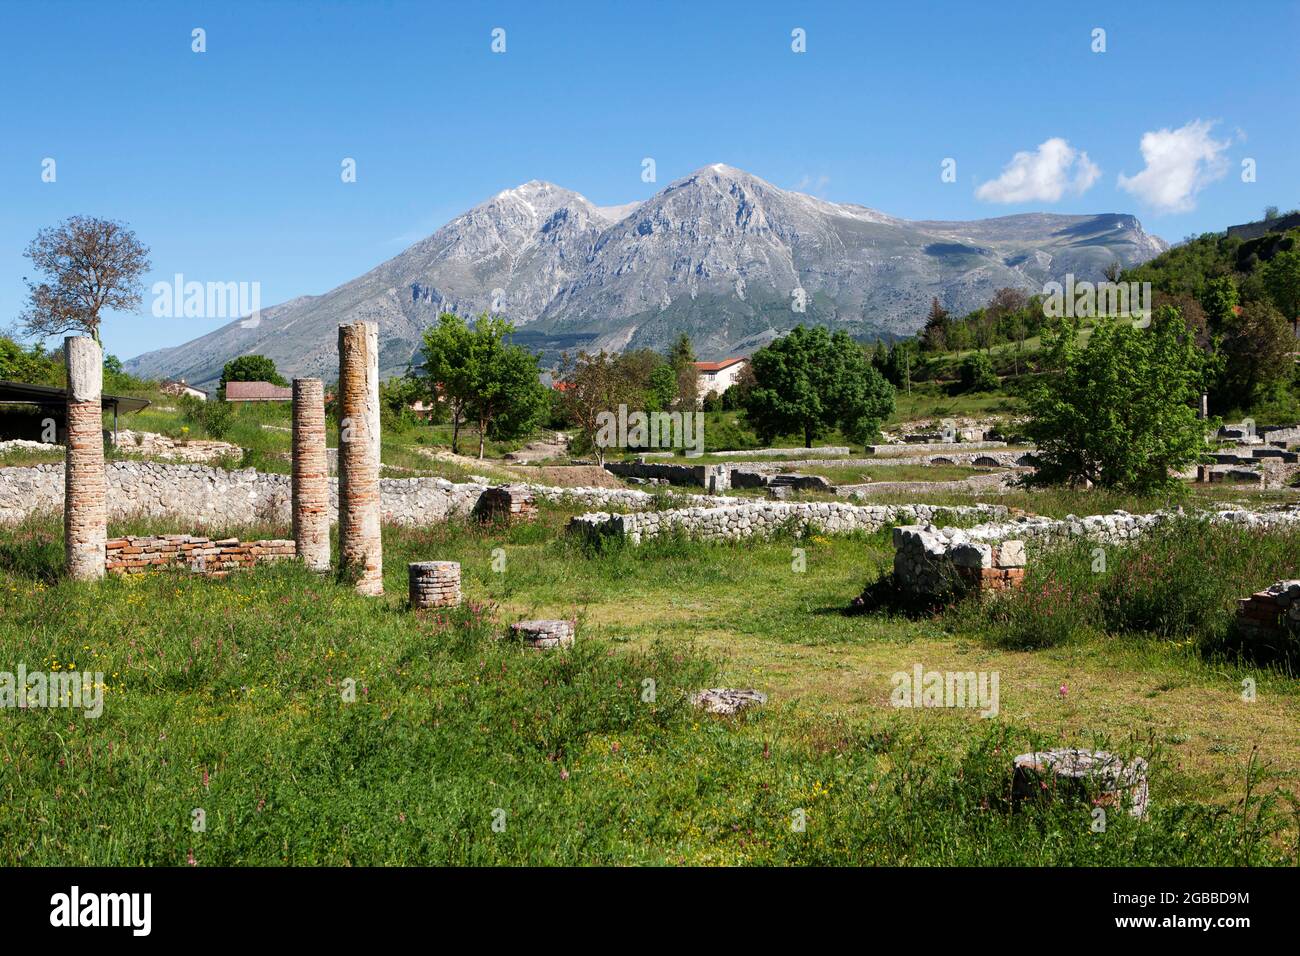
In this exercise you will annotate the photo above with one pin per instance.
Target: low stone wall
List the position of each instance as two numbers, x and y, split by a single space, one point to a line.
1281 436
764 452
712 478
1120 527
985 459
212 497
930 563
905 448
738 521
132 555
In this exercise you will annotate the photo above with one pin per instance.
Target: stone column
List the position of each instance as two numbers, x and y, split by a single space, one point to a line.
311 482
85 492
360 547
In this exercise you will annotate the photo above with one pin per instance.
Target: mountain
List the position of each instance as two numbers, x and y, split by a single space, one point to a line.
719 254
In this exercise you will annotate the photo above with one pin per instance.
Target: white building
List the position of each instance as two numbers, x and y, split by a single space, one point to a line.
179 388
720 376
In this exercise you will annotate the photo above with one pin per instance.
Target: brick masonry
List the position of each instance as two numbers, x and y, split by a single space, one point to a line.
133 555
542 635
1271 612
85 507
360 541
204 497
310 483
433 583
509 503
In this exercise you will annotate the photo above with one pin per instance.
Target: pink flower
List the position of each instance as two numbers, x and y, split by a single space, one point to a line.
1063 690
564 774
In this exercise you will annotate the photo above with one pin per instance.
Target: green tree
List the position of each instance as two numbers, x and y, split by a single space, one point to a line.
934 335
1218 301
30 364
496 382
1256 351
662 389
1119 412
681 356
1282 279
446 350
976 373
809 381
249 368
592 385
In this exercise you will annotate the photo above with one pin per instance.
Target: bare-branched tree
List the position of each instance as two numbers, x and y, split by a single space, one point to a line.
85 266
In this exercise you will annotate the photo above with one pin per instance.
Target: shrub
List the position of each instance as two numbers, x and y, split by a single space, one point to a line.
976 374
216 418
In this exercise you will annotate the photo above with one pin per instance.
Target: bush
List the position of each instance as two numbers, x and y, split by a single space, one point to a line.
977 375
216 418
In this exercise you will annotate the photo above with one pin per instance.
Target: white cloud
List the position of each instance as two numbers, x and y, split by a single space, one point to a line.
814 185
1180 163
1044 175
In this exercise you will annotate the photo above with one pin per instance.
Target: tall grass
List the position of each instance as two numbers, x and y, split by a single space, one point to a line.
1179 583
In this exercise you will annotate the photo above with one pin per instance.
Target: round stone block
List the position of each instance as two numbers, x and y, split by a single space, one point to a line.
1099 777
542 635
727 700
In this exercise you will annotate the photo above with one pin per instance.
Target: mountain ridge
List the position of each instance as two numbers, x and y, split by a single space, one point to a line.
719 253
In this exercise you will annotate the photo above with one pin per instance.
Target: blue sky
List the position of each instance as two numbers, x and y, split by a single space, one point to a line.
227 162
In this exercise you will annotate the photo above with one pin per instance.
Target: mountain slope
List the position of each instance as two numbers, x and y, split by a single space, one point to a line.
720 254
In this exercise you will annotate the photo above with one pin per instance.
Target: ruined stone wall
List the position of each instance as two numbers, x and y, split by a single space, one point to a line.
737 521
713 478
934 563
208 497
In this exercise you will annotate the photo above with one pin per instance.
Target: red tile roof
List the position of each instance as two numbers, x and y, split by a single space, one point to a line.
718 366
257 392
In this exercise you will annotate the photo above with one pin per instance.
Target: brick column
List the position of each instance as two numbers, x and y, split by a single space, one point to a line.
311 483
433 583
360 546
85 493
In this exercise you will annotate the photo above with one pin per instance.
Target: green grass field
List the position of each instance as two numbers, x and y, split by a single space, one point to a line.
226 697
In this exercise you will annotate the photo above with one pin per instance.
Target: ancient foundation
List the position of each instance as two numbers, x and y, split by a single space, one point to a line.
542 635
311 481
934 565
133 555
1269 613
360 545
509 503
1096 777
85 521
433 583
